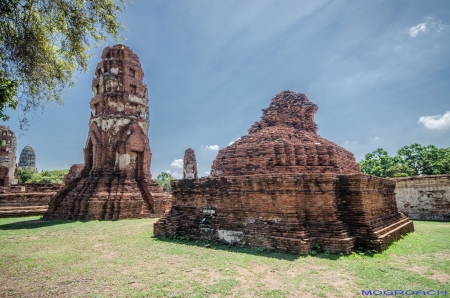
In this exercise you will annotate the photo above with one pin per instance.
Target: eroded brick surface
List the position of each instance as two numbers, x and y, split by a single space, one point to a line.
115 182
189 165
284 141
26 199
284 187
74 172
424 197
8 167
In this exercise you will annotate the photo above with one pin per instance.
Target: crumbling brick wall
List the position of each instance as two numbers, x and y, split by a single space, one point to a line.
424 197
8 166
287 212
26 199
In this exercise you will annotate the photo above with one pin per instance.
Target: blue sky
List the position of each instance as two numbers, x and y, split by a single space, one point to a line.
378 70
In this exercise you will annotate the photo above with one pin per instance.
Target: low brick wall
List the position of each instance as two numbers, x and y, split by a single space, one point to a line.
26 199
424 197
287 212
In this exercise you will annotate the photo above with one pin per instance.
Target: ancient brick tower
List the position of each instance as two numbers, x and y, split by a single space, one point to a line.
8 167
115 182
27 159
189 165
284 187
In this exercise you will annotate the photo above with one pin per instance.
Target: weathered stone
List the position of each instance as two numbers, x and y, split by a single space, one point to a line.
424 197
115 182
189 165
284 187
26 199
8 166
284 141
27 159
74 172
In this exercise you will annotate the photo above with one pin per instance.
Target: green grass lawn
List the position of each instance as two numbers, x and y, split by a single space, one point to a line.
122 259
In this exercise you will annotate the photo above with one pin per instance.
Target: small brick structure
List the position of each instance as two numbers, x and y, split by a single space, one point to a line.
189 165
115 182
424 197
284 187
8 166
26 199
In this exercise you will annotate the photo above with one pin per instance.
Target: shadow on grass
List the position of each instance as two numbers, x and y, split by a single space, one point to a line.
35 224
268 253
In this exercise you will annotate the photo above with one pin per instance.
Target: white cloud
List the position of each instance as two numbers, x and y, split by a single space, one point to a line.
177 163
176 175
426 27
374 139
347 142
230 143
207 172
440 122
213 147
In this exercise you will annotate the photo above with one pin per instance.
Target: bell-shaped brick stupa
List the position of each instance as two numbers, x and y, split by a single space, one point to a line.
284 187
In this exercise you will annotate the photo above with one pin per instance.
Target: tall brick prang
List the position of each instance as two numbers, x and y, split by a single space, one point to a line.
115 182
189 165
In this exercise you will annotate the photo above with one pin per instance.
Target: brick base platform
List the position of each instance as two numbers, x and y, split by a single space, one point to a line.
287 212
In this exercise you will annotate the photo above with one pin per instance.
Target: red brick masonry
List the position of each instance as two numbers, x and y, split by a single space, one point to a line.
287 212
115 182
283 186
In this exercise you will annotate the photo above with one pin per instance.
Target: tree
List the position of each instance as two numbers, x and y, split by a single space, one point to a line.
42 43
377 163
164 179
47 176
25 175
410 160
425 160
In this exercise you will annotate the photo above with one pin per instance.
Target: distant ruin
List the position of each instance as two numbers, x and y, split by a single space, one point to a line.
284 187
27 159
8 166
189 165
115 182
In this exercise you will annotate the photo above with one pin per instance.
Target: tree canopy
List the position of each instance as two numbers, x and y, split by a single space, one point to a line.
42 44
47 176
164 179
410 160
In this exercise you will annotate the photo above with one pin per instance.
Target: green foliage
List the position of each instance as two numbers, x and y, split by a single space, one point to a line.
8 91
25 175
164 179
410 161
42 43
48 176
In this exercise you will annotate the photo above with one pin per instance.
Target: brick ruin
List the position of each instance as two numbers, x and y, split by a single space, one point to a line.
189 165
8 166
115 182
424 197
26 199
27 158
284 187
74 172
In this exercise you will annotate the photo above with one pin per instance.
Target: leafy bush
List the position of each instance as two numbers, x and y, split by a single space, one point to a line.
47 176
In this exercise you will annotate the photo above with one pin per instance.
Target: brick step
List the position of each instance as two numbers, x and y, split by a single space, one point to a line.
391 227
405 222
